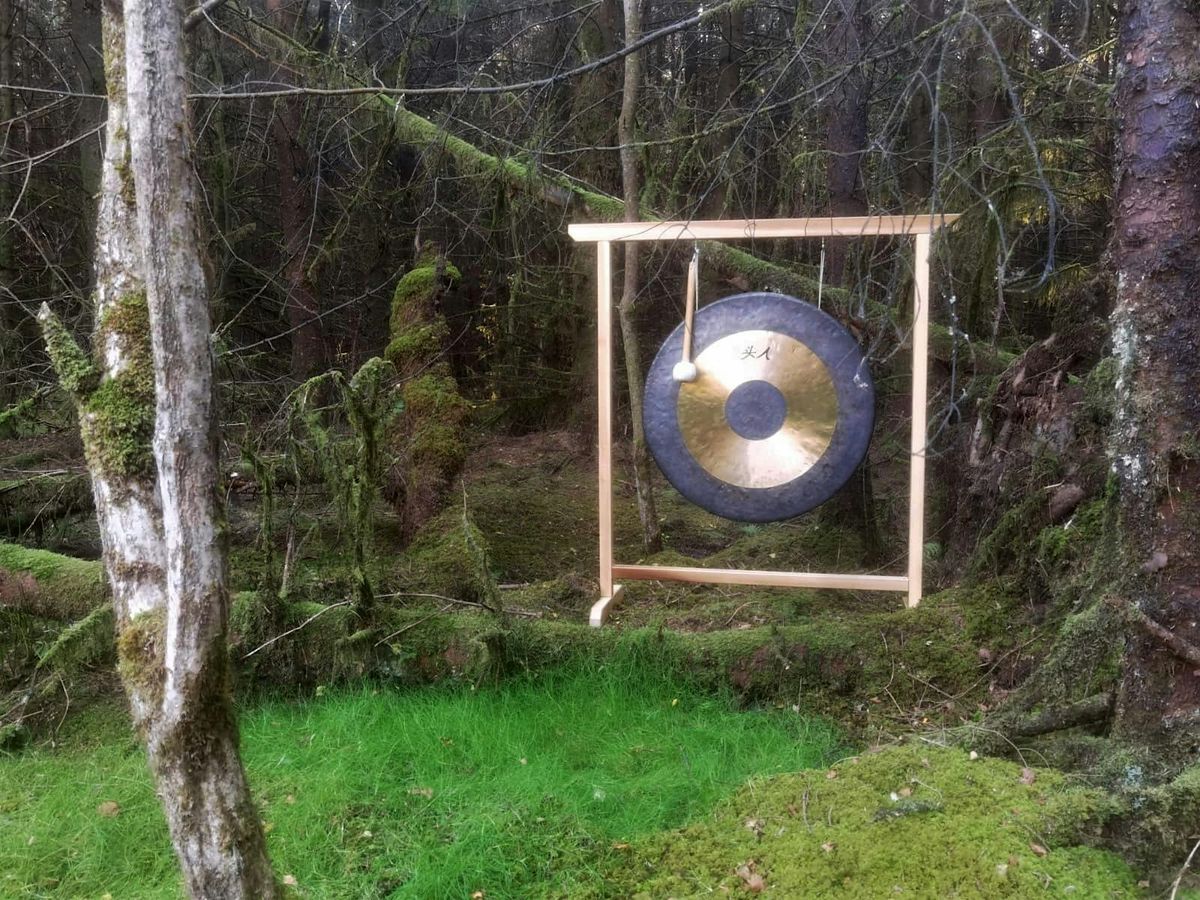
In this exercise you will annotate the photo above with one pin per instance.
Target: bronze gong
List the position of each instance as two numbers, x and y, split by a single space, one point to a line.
779 413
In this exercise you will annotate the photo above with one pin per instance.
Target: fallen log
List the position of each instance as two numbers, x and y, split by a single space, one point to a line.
49 585
35 501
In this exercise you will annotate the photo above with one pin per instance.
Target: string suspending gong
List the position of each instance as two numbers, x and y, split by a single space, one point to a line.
778 417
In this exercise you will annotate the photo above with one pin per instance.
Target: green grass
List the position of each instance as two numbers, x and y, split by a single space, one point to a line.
526 789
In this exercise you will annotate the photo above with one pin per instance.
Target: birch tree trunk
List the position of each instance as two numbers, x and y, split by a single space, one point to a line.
144 398
631 185
1156 336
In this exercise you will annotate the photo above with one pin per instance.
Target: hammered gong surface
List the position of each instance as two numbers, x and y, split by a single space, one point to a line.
778 418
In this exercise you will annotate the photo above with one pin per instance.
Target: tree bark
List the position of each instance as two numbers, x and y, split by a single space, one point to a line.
181 658
846 126
1156 336
729 79
10 312
89 57
916 177
630 181
295 214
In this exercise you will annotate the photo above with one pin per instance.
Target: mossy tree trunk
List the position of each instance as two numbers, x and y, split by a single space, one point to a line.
429 440
631 186
1156 335
145 401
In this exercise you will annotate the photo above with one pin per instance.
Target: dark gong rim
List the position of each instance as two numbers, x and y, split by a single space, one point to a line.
831 343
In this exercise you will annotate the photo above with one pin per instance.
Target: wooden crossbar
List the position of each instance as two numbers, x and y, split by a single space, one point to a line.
763 229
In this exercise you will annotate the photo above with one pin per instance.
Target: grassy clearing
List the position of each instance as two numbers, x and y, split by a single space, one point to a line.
530 788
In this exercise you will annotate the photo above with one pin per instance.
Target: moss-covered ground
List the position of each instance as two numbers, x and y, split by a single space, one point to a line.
912 821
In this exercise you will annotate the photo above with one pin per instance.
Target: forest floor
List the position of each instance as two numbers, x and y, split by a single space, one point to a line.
564 783
551 759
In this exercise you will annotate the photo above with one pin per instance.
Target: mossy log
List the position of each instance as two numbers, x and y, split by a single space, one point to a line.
49 585
35 501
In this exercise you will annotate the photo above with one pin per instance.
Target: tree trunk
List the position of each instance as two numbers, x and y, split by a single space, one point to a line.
11 344
846 126
630 180
729 79
89 60
917 174
1156 336
155 490
295 214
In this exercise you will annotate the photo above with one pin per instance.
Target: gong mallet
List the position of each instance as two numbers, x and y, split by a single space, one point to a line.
685 369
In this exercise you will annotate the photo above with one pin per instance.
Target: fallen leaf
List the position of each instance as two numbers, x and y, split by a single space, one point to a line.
972 756
290 799
1028 776
828 846
110 809
290 880
620 845
268 827
478 895
524 761
1038 849
751 879
905 792
755 825
1156 562
425 792
831 774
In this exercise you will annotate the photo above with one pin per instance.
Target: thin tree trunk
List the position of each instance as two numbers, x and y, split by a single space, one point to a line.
846 126
89 56
630 180
1156 337
191 737
10 311
295 214
729 79
917 175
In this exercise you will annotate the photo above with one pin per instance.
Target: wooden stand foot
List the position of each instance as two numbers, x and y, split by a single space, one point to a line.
602 607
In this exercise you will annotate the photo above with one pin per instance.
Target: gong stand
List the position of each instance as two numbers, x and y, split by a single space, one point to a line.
921 228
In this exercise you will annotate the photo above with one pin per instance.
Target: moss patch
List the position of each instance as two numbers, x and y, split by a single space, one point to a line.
118 417
906 821
140 650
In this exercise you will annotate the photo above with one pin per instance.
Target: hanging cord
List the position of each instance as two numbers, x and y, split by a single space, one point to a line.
821 274
685 369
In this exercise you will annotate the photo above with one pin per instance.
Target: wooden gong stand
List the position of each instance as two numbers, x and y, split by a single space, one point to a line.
921 228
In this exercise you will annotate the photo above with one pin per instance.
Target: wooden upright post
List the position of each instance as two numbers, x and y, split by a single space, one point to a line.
604 426
920 377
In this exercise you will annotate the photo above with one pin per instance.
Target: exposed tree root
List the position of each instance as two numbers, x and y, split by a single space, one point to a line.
1088 711
1178 645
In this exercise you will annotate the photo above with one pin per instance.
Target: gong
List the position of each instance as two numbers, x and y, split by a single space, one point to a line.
777 417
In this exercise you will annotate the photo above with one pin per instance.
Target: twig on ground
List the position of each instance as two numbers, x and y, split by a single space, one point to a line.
311 618
1179 878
